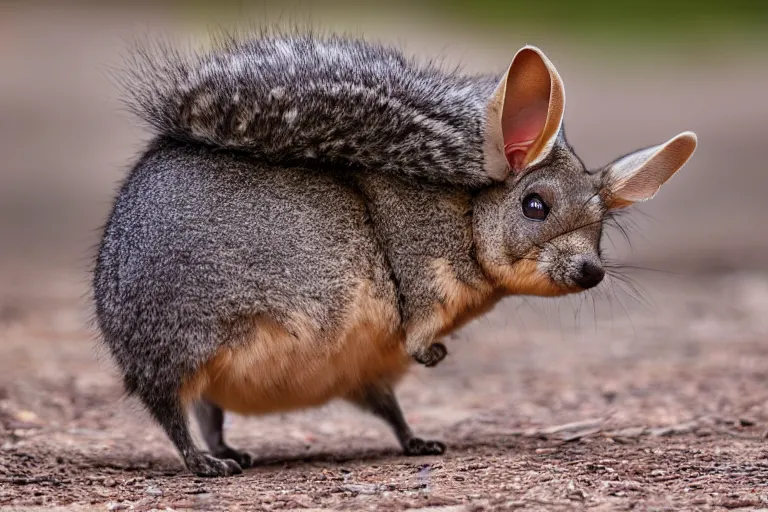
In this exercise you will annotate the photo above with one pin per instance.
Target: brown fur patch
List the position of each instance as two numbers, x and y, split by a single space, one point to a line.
277 369
524 278
462 302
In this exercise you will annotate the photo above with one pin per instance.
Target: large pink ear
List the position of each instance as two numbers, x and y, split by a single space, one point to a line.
525 113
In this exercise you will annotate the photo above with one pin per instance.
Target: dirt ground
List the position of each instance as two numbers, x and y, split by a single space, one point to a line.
656 406
642 399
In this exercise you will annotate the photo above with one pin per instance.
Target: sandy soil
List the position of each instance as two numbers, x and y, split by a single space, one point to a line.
653 399
658 407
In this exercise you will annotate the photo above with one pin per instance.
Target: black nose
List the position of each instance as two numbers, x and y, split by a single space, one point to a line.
591 275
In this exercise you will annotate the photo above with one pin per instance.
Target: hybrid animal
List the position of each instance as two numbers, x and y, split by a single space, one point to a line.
313 214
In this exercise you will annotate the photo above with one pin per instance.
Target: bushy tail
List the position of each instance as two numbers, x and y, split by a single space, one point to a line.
301 99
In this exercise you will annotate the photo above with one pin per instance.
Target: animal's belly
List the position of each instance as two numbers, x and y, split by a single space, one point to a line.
275 370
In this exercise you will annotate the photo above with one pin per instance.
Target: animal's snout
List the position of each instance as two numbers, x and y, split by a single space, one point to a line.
590 273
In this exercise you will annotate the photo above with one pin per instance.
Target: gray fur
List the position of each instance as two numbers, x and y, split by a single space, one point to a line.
204 237
288 99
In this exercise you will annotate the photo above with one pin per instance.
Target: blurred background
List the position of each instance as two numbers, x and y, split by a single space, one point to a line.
636 74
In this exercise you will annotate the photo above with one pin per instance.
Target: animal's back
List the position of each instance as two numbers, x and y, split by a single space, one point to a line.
261 288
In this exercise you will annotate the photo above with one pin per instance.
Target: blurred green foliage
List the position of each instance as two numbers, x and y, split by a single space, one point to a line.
615 17
699 21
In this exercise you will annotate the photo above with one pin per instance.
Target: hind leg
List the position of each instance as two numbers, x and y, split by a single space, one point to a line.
210 418
167 409
381 401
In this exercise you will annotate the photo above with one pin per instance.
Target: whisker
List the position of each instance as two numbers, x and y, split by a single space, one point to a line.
626 312
633 290
610 239
619 222
559 223
586 202
622 266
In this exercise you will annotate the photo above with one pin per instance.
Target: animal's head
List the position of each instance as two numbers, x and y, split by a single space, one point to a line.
538 231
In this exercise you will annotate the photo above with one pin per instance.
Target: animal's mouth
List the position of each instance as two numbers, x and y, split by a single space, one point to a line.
582 275
524 275
565 274
569 285
566 287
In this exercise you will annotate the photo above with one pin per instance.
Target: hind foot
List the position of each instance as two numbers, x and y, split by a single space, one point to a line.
243 459
417 446
208 466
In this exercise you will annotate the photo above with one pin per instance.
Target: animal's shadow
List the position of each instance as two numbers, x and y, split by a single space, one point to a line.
266 458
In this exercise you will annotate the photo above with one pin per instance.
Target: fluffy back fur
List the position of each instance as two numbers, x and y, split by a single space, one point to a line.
316 102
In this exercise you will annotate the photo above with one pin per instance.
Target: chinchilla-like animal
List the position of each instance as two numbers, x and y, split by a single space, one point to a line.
313 214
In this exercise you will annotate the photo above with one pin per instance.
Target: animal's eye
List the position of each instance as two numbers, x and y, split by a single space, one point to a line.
534 207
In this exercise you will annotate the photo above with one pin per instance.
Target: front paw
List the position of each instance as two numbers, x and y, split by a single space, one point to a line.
431 355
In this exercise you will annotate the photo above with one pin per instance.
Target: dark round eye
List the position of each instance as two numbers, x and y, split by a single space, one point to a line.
534 207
